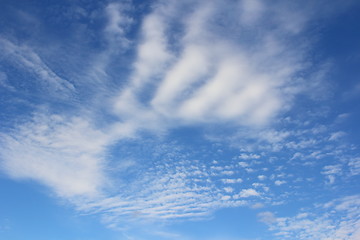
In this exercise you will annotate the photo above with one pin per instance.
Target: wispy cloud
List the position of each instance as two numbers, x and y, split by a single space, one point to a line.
66 154
118 22
28 60
325 224
207 77
4 83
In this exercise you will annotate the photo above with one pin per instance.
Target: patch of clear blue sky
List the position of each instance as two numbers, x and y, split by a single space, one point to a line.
27 212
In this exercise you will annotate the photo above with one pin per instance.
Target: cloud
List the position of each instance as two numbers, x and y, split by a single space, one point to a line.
336 135
267 217
354 165
202 81
249 156
118 23
279 182
331 171
24 58
262 177
66 154
228 189
229 180
4 83
243 164
245 193
201 74
334 220
251 11
171 190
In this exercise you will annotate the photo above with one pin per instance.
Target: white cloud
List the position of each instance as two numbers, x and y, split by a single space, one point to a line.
4 83
243 164
231 181
261 177
153 51
354 165
118 23
201 75
279 182
337 219
226 198
165 193
228 189
191 67
203 81
66 154
251 11
227 172
249 170
267 217
336 135
25 58
249 156
332 169
152 57
330 179
245 193
343 116
257 205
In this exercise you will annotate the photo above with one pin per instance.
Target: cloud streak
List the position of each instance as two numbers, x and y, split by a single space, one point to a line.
210 80
27 59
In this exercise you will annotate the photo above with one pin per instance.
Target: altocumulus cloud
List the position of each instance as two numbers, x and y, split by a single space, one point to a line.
209 69
237 65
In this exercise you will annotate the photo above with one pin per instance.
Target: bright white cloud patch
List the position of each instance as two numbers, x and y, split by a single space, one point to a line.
245 193
203 80
66 154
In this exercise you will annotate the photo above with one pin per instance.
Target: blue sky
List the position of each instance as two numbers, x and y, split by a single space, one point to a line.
191 120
